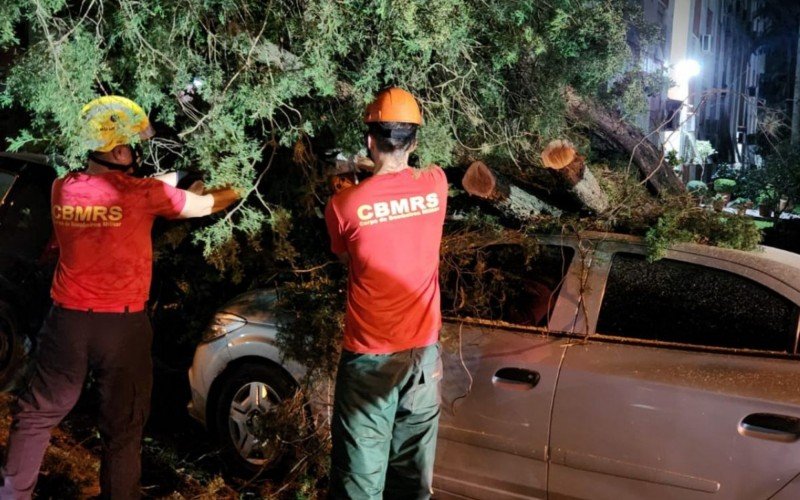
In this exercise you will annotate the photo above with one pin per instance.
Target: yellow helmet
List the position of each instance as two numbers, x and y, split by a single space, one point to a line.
111 121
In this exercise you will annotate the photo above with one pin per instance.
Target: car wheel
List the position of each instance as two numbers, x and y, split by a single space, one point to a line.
247 405
7 336
10 345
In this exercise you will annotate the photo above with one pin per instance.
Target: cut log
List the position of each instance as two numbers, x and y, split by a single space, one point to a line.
561 159
481 181
602 123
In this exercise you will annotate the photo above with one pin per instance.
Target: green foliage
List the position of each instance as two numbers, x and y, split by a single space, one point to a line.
311 320
782 170
724 185
768 196
698 188
634 88
726 171
703 150
19 142
10 13
742 202
669 220
630 91
686 223
228 82
672 159
589 28
779 176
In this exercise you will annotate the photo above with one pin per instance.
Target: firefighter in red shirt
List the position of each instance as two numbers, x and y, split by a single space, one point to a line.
102 217
389 229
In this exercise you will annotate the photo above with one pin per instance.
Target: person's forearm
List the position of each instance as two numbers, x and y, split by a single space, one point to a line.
209 203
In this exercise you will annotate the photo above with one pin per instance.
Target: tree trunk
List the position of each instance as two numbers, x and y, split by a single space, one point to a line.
796 102
624 137
481 181
582 183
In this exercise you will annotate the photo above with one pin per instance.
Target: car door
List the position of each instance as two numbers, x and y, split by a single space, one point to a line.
499 380
688 387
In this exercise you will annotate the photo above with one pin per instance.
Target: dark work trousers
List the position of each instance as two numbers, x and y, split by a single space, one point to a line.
385 422
116 346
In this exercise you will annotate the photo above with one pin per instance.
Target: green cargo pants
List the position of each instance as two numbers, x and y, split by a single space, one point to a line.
385 420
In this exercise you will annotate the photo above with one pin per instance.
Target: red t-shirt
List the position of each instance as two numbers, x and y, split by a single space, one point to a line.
391 225
103 224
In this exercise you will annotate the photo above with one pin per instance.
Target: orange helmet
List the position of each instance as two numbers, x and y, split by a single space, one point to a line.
393 105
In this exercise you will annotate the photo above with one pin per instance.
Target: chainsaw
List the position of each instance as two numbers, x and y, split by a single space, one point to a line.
349 171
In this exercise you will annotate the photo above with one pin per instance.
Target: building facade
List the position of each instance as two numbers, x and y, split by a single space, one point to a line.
709 53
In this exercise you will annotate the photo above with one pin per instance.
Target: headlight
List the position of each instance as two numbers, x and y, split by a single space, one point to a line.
221 325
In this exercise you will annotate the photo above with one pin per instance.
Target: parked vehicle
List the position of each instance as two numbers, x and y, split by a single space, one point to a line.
601 376
26 265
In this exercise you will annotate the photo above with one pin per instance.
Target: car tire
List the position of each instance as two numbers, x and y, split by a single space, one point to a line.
246 397
11 348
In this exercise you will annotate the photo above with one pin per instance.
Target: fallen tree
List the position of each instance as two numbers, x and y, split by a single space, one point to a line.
254 94
601 122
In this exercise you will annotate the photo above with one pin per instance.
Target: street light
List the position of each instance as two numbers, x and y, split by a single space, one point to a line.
682 72
686 69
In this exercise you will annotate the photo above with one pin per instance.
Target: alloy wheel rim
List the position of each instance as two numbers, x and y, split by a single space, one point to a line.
247 415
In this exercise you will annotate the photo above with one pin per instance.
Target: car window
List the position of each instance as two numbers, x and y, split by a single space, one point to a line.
25 227
6 181
513 283
680 302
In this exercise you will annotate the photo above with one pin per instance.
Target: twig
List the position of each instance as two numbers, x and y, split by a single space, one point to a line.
255 184
246 65
313 269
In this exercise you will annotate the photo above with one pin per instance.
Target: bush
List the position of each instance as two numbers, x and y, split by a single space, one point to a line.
724 185
768 196
742 202
697 188
726 171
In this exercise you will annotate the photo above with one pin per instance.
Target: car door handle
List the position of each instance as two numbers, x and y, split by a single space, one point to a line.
515 379
771 426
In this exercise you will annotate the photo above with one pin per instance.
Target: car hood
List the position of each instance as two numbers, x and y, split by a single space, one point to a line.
256 306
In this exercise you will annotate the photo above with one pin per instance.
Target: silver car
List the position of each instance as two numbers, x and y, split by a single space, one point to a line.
599 376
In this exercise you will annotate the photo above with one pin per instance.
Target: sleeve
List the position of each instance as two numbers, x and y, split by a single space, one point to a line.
440 182
163 200
334 229
441 178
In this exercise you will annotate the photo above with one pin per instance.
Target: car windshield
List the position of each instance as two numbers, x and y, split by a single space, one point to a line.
6 181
